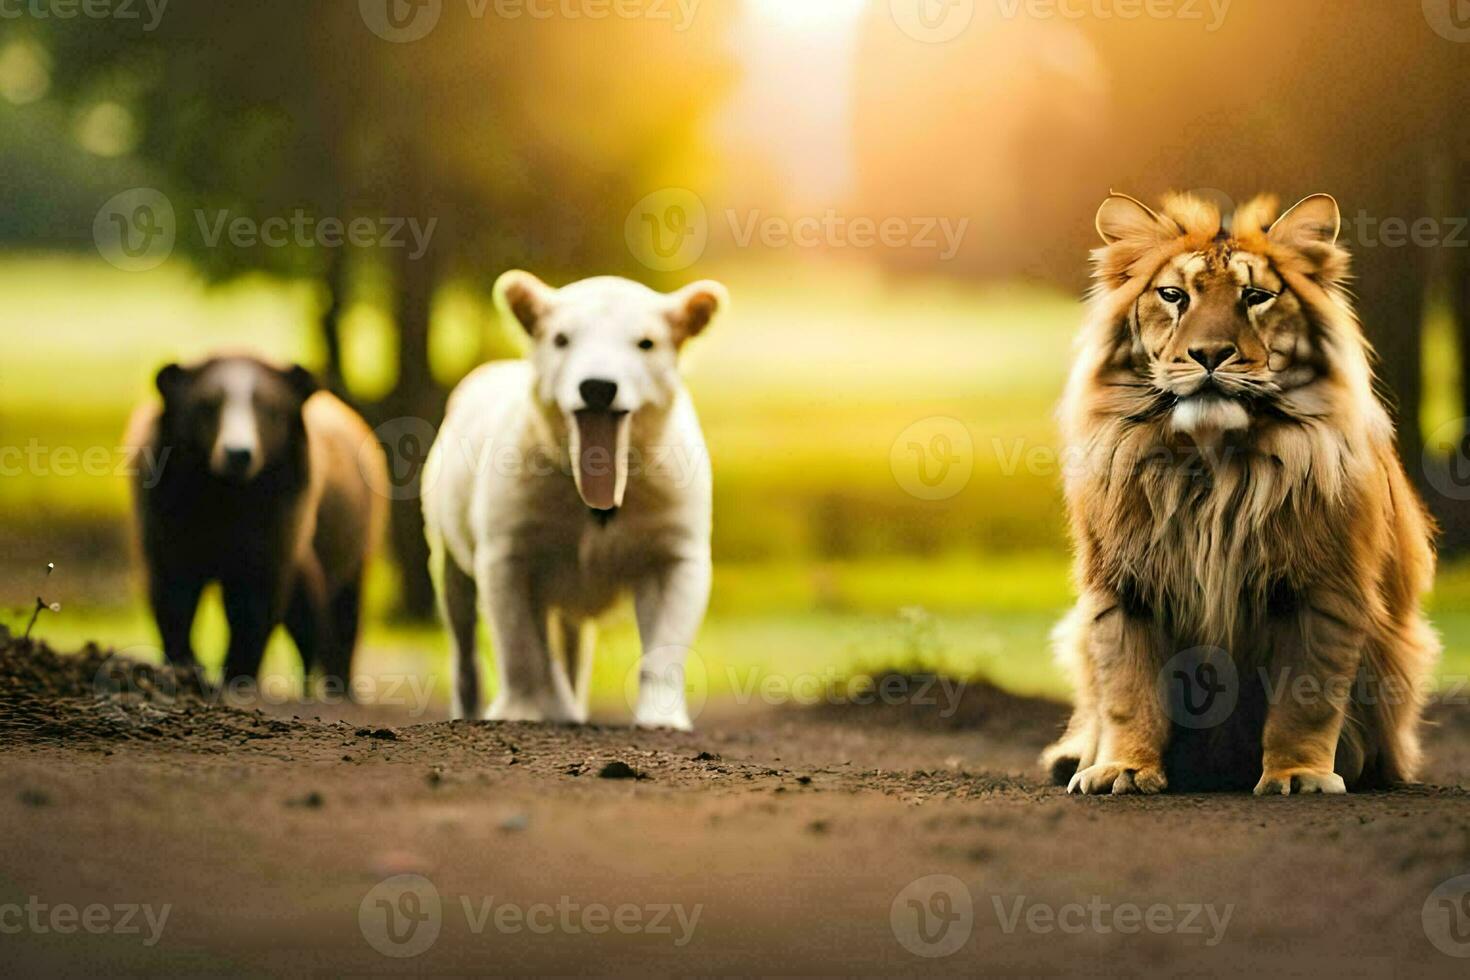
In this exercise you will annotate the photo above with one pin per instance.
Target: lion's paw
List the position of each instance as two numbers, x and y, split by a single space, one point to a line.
1118 778
1286 782
1061 762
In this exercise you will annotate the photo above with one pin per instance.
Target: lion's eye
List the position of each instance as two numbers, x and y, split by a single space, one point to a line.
1257 297
645 344
1174 296
561 340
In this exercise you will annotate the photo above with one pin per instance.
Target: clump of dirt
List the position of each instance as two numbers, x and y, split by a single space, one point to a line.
31 668
940 703
98 695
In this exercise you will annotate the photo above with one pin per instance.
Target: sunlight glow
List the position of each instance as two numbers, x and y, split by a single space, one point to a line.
806 16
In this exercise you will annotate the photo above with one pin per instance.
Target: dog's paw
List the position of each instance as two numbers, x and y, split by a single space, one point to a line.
652 717
1288 782
550 710
1118 779
662 703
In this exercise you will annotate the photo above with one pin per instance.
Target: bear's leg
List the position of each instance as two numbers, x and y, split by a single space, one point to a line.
308 621
250 609
174 596
343 615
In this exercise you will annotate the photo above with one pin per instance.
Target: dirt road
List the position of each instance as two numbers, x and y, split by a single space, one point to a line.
144 833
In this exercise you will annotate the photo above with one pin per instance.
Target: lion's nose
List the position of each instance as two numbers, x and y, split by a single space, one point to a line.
598 394
1211 356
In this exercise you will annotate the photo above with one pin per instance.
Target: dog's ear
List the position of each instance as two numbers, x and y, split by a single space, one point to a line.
694 307
1127 219
168 379
524 297
302 381
1311 222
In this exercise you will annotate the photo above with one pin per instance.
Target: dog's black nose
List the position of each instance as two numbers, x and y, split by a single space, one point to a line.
237 461
598 394
1211 356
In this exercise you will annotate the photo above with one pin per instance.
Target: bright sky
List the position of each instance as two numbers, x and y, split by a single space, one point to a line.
805 16
794 102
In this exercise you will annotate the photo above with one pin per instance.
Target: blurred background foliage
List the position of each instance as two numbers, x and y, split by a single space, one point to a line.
529 141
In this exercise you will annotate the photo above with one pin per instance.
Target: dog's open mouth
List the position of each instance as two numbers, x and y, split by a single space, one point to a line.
600 457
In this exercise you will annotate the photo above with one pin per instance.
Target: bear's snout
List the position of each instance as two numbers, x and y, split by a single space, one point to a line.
236 461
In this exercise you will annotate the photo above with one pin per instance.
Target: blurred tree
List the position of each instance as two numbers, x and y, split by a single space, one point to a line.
517 141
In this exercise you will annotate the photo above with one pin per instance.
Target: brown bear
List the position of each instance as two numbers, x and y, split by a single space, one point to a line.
259 481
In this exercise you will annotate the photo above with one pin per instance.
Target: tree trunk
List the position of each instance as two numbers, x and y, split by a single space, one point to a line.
1453 513
330 323
407 420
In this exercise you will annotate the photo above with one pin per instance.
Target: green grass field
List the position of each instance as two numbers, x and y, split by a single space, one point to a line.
814 392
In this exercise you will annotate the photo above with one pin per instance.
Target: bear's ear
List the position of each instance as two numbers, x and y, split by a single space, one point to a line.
694 307
302 381
1310 223
168 379
524 297
1127 219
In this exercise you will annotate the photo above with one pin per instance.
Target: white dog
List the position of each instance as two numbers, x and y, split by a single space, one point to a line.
559 483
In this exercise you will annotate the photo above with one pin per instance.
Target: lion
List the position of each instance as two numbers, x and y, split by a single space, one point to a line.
1246 537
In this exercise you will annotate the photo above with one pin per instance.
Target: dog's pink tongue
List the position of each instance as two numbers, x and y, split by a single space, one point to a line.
597 469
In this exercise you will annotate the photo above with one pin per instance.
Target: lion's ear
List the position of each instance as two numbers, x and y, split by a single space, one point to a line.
1310 223
1123 219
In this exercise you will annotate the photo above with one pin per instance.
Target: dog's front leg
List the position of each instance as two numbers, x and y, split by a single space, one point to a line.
1315 653
670 604
532 688
1133 728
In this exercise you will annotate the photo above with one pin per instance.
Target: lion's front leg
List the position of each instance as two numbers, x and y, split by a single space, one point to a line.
1133 729
1315 653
